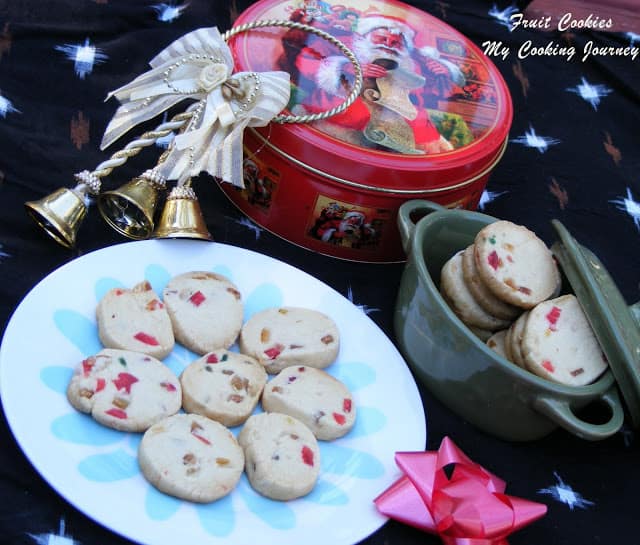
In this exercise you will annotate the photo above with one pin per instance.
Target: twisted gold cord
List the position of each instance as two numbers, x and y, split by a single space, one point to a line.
136 146
357 86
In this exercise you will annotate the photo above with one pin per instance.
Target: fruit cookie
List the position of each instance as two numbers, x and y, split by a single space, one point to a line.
191 457
514 339
483 295
282 458
222 385
125 390
135 319
497 343
315 398
515 264
558 343
205 309
459 298
285 336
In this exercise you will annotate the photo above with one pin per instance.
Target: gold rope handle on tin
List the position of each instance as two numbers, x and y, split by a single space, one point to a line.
357 85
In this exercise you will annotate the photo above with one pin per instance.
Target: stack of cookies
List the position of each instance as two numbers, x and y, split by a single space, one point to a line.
506 271
187 449
505 287
554 341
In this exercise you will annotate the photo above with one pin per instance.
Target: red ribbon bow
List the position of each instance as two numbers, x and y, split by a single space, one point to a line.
468 508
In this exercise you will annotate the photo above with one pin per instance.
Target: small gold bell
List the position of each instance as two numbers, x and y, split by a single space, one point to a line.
130 208
182 217
60 214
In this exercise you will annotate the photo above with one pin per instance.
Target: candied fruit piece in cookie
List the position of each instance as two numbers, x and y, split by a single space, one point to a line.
191 457
459 298
483 295
205 309
135 319
125 390
282 457
558 343
284 336
497 343
222 385
515 264
314 397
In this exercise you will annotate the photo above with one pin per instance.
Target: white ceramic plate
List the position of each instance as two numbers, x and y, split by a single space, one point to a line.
95 468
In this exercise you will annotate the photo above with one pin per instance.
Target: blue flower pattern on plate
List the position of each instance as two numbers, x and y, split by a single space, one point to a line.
217 518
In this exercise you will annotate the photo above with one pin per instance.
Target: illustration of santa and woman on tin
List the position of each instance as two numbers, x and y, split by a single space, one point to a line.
402 83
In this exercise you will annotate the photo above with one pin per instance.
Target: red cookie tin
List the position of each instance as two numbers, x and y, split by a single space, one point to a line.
432 121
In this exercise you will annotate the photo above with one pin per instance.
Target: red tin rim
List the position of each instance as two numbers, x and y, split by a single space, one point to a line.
489 165
329 151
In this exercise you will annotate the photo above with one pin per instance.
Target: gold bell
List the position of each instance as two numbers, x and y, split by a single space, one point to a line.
182 217
60 214
130 208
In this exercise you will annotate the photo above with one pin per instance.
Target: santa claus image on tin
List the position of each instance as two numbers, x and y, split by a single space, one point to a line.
401 81
342 226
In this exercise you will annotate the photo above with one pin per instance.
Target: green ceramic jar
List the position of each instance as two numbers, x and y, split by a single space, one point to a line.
481 386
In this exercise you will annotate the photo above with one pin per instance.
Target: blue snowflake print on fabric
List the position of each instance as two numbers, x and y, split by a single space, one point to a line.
563 493
503 17
590 93
6 107
3 254
251 226
630 206
633 38
168 13
532 140
115 457
61 538
488 197
364 308
84 56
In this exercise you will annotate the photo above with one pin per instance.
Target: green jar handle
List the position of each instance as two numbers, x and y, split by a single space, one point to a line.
406 218
560 412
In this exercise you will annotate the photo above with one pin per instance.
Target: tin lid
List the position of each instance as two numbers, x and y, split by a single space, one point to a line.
616 325
431 99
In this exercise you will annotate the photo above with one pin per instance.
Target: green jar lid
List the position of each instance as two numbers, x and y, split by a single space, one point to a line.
615 323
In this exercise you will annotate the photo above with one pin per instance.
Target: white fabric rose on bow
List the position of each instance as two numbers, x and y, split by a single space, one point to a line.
199 66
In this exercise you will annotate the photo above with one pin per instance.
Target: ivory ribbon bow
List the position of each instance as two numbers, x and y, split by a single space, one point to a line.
468 508
199 66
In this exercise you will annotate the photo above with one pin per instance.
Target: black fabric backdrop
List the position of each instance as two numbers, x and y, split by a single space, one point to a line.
51 122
